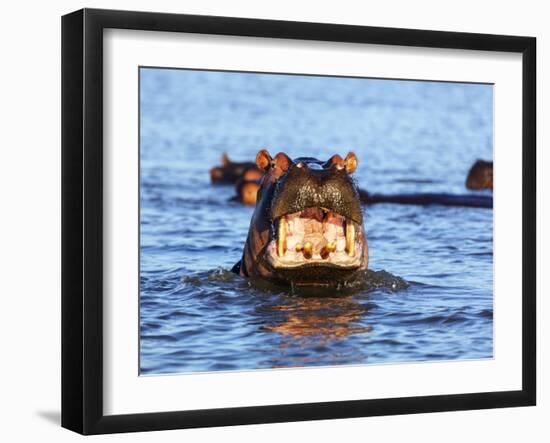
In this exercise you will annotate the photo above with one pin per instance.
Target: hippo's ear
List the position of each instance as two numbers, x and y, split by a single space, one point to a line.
335 160
264 160
281 162
351 162
225 159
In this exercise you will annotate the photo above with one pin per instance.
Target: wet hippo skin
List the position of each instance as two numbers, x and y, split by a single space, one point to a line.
480 175
307 227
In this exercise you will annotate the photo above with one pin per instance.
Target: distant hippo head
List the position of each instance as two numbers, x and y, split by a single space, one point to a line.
480 175
246 191
307 227
230 172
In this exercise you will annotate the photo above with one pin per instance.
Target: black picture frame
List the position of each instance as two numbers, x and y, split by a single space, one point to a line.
82 215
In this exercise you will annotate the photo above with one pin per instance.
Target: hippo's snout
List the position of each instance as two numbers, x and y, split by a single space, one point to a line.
307 227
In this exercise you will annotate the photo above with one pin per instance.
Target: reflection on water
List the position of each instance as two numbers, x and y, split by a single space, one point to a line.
430 296
320 318
322 314
316 323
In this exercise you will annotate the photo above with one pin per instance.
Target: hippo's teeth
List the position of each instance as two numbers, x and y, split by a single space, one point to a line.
327 249
350 239
308 250
281 237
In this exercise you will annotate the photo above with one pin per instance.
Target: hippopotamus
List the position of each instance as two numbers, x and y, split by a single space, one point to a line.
246 192
307 227
231 172
480 175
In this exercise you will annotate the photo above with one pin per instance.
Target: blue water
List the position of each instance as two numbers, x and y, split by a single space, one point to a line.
430 292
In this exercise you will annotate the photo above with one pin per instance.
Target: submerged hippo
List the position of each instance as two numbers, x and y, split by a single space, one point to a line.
230 172
307 227
480 175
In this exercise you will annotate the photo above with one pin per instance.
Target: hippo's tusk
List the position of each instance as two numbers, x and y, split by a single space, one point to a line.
281 237
350 239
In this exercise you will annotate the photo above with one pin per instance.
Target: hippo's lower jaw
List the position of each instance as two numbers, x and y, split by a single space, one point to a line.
317 275
316 244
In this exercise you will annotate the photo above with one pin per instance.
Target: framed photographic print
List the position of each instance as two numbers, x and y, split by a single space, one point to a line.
269 221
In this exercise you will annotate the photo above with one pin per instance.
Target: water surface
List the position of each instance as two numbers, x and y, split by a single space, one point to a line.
430 290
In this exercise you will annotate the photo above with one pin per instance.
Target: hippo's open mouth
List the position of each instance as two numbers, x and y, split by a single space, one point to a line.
307 227
315 237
